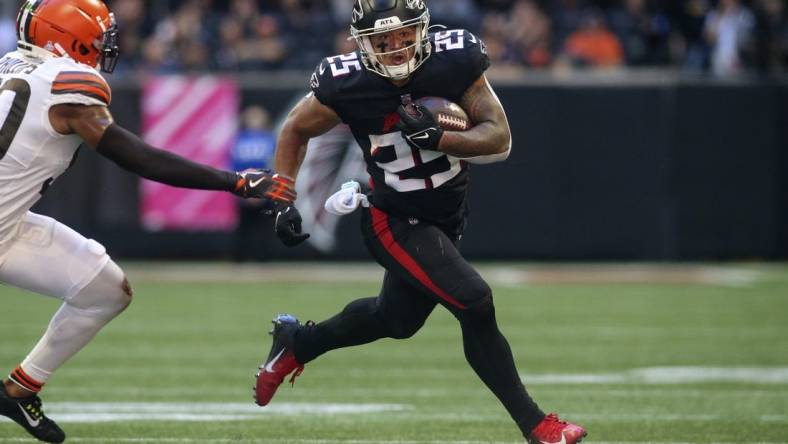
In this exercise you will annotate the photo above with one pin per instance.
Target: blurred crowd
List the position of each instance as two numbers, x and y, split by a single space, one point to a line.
723 37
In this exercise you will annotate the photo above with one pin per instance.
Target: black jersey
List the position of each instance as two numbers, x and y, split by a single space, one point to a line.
406 181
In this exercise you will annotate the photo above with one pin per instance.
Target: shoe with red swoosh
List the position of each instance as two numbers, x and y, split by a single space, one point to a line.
554 431
281 360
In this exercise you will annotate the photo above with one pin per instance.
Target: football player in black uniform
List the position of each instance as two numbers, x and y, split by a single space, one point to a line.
419 178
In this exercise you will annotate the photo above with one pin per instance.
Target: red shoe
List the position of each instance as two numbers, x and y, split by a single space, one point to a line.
554 431
281 360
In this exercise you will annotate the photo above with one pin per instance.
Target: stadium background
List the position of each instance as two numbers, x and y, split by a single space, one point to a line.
638 135
632 142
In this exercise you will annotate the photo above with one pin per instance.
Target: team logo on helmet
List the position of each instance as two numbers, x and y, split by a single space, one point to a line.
358 12
415 4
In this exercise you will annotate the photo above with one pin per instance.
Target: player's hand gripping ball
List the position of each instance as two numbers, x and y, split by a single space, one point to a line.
424 121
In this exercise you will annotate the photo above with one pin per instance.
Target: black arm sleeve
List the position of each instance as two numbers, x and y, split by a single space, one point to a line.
132 154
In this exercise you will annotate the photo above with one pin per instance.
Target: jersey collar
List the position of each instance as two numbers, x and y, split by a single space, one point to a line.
33 51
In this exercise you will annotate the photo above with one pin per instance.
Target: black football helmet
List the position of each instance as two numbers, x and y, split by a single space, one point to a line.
372 17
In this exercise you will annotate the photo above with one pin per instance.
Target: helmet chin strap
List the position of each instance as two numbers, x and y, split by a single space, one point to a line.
399 72
396 72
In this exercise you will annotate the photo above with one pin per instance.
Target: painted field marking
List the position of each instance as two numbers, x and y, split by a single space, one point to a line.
467 392
79 412
668 375
87 412
645 417
605 417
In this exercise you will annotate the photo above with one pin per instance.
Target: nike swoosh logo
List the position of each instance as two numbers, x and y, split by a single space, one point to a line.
31 421
421 136
254 183
269 368
322 69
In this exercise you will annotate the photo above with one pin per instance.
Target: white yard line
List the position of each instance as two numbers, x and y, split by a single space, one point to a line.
603 417
100 412
668 375
90 412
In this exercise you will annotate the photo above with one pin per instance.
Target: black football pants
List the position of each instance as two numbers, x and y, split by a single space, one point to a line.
424 268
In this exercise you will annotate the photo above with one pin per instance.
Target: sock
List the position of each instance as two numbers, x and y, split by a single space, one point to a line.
21 378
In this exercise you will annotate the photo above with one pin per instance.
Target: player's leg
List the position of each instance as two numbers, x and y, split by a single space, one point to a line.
51 259
73 326
427 258
398 312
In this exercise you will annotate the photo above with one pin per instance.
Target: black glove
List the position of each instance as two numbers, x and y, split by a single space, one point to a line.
253 183
419 127
288 226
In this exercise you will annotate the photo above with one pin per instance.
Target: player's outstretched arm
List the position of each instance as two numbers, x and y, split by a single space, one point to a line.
490 139
94 124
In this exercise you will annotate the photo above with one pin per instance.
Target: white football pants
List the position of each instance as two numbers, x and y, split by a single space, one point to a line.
50 258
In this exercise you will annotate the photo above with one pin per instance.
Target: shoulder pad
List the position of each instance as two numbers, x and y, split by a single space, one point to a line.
461 52
462 42
331 72
80 84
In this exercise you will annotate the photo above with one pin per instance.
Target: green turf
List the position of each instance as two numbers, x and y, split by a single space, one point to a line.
195 343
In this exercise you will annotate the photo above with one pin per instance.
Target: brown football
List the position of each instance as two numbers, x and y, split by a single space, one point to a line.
448 114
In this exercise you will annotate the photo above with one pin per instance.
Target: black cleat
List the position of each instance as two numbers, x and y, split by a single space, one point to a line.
27 412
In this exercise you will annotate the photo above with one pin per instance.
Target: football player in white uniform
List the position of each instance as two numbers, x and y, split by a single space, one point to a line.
52 99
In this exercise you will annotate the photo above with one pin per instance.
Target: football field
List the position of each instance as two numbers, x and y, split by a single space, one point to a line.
635 353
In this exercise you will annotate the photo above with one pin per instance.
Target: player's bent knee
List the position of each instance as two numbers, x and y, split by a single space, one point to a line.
126 286
126 294
475 291
481 307
108 294
121 298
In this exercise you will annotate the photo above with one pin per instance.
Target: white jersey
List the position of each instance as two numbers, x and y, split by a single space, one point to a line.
32 153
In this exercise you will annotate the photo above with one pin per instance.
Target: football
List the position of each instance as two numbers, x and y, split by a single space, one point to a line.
449 115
